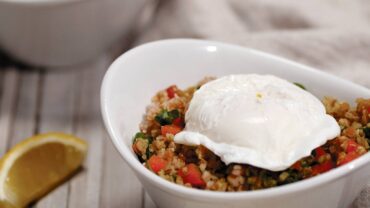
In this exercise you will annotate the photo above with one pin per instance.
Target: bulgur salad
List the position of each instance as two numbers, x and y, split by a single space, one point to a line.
198 167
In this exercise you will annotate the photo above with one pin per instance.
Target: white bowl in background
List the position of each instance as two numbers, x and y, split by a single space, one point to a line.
64 32
138 74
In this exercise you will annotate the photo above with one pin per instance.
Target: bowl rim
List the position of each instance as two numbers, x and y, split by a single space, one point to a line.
203 195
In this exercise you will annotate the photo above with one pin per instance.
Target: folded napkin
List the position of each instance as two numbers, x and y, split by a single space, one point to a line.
333 35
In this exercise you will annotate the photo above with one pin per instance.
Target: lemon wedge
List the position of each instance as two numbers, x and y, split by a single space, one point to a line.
36 165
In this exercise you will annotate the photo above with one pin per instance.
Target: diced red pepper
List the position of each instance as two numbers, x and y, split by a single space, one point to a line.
170 129
156 163
351 146
297 165
171 91
319 152
348 158
178 122
192 175
368 109
322 168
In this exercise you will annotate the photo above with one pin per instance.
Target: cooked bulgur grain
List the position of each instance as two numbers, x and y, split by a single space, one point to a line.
198 167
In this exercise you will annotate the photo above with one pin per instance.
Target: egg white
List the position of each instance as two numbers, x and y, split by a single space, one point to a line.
261 120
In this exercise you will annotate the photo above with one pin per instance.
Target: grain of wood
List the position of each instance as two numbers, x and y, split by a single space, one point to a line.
85 187
120 186
58 101
8 102
68 101
148 202
26 108
56 114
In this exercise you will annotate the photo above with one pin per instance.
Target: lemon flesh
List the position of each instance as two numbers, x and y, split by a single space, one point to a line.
38 164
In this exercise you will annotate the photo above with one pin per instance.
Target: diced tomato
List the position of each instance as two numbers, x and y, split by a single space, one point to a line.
171 91
322 168
156 163
368 109
178 122
192 175
297 165
319 152
348 158
351 146
170 129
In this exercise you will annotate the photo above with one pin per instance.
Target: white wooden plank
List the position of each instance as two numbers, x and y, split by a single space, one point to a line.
26 109
120 186
56 114
8 102
148 202
25 114
85 187
58 101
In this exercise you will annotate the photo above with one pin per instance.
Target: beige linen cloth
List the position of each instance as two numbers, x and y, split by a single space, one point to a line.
333 35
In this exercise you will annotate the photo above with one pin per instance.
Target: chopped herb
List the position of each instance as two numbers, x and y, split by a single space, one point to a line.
139 138
148 153
307 162
313 153
269 182
300 85
166 117
140 135
293 177
367 132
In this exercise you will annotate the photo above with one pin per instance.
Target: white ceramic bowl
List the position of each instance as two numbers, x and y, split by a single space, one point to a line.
138 74
64 32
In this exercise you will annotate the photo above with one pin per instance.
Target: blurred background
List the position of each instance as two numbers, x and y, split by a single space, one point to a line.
54 53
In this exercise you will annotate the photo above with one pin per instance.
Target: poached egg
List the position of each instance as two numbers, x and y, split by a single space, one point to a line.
260 120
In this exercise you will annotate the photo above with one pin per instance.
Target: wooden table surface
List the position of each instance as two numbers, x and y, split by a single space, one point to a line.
36 100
